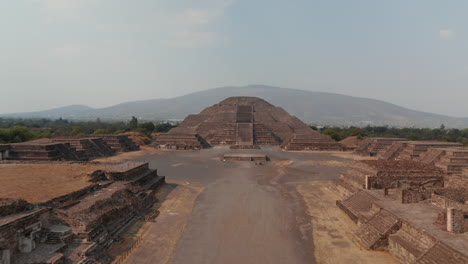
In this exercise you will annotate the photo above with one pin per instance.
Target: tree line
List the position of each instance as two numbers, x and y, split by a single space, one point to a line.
440 134
14 130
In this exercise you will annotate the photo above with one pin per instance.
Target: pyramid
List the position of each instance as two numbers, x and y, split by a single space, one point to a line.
246 121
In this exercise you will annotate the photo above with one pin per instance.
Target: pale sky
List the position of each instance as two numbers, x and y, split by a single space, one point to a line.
53 53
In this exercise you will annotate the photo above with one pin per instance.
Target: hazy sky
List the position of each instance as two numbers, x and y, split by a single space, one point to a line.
101 52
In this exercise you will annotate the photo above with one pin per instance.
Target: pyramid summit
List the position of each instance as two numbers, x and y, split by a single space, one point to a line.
245 121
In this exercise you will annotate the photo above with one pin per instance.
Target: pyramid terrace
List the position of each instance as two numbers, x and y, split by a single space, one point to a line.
243 122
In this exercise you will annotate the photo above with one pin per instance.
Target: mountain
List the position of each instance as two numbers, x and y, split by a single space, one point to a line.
71 111
318 108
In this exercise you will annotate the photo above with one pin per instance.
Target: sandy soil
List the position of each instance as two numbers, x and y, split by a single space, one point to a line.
333 230
123 156
42 182
160 238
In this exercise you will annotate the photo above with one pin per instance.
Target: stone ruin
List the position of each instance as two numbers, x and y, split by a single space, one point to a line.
381 174
118 143
413 150
243 122
245 157
68 149
4 152
415 210
451 160
81 226
181 141
374 146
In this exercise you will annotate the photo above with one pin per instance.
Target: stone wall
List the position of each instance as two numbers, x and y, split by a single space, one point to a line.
456 181
444 202
409 243
413 196
9 229
13 206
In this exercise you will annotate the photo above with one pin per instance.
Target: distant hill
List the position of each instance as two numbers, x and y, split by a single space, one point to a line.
312 107
71 111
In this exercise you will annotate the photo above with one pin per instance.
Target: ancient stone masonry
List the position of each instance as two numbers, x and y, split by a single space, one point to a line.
414 150
380 174
78 227
374 146
180 141
245 157
44 151
13 206
77 149
4 151
92 147
311 140
451 160
119 143
245 121
410 232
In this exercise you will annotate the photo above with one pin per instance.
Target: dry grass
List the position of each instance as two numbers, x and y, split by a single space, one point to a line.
123 156
281 163
351 156
329 163
37 183
332 230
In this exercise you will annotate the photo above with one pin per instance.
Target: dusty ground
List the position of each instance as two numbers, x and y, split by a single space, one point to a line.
160 238
276 213
40 182
333 230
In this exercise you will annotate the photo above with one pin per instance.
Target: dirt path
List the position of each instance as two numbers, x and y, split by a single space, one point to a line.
277 213
237 220
333 230
160 238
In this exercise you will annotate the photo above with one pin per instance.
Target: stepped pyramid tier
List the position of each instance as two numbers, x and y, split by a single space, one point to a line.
68 148
45 150
373 146
244 122
380 174
180 141
451 160
414 150
118 143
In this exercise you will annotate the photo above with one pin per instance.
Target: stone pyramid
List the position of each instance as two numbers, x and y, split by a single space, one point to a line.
245 121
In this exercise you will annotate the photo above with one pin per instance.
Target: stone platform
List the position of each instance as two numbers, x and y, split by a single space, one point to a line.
245 157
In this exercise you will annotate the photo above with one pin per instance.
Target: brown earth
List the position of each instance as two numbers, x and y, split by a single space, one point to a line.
37 183
332 230
161 237
139 138
351 142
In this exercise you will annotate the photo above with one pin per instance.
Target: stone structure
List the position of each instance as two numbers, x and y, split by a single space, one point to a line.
78 227
91 147
180 141
44 151
374 146
77 149
380 174
245 121
410 232
245 157
4 152
451 160
414 150
119 143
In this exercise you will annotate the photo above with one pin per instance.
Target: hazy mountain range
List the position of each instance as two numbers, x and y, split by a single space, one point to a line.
312 107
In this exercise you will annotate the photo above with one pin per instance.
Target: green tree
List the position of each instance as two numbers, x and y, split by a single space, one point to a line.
133 124
148 126
99 131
